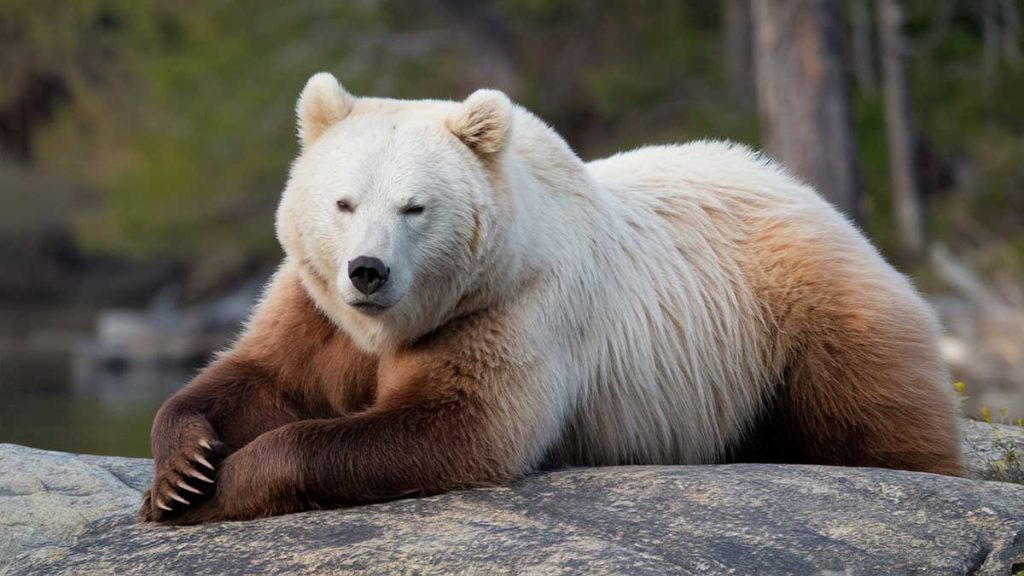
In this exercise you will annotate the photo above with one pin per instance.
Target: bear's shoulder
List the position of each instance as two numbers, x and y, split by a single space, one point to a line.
712 168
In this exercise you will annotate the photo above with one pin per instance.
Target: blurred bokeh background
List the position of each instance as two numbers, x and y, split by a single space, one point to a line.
143 146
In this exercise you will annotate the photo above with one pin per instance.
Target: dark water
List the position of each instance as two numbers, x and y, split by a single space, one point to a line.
80 379
60 421
42 405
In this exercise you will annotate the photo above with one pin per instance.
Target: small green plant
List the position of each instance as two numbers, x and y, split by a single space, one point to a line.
1003 461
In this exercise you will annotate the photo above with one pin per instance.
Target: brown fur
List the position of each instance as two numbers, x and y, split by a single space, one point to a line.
297 417
305 424
862 382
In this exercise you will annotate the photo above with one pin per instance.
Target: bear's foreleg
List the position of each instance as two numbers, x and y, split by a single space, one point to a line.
372 456
224 408
291 363
457 412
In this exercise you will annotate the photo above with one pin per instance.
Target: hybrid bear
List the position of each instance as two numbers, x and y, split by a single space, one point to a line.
464 301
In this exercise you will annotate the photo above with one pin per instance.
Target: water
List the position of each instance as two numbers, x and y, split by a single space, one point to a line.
61 421
90 381
43 405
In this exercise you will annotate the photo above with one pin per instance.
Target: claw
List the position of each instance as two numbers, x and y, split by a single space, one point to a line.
175 496
162 506
205 444
196 474
199 458
184 486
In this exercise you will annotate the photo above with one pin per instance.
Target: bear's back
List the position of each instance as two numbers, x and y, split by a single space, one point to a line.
681 357
715 265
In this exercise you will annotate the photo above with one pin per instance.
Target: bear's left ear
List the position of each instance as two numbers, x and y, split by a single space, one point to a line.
322 104
483 122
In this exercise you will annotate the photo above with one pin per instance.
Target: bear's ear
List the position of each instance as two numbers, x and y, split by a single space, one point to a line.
322 104
483 122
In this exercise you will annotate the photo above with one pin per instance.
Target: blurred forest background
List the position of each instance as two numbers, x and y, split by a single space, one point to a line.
143 146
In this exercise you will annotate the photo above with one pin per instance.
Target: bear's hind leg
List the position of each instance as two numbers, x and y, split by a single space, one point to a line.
869 389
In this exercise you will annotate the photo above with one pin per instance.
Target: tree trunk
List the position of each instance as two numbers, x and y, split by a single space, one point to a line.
863 55
1011 33
803 95
990 42
905 195
737 51
487 33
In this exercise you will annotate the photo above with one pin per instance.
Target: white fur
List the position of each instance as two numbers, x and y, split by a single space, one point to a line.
637 334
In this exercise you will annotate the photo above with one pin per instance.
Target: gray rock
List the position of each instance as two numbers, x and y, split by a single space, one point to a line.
47 498
994 451
70 514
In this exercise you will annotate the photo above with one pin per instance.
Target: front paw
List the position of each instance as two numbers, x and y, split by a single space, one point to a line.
186 460
210 509
261 479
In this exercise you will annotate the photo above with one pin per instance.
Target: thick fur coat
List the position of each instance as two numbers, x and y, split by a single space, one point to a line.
669 305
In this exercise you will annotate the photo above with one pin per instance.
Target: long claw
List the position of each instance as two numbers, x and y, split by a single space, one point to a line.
196 474
175 496
205 444
184 486
163 506
199 458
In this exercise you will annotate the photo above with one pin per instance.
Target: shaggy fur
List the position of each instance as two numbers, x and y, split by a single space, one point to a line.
671 305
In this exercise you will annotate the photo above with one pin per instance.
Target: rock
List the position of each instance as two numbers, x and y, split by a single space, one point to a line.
48 498
70 514
138 355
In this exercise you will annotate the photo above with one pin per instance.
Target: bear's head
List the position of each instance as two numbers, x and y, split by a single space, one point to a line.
392 208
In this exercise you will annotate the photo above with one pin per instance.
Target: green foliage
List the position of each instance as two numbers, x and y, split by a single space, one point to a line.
189 138
1007 464
179 126
873 149
972 127
1003 462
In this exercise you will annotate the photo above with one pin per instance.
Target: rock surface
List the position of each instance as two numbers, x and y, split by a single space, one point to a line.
994 452
70 514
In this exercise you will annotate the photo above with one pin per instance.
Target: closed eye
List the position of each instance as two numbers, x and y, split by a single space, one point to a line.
411 210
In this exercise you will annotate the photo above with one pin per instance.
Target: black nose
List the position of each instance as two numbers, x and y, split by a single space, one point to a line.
367 274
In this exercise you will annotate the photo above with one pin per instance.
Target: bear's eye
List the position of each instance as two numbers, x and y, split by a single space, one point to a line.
414 209
344 206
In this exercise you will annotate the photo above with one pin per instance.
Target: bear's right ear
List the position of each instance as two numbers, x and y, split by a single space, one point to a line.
322 104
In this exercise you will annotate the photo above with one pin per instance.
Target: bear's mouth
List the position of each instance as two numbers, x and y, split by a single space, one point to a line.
367 307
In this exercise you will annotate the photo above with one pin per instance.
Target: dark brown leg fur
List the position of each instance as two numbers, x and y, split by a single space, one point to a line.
449 413
861 382
872 404
223 409
290 364
862 393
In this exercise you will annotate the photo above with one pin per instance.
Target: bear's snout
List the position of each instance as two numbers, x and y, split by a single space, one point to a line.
368 274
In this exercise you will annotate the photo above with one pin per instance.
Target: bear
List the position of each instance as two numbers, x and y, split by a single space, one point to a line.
464 301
